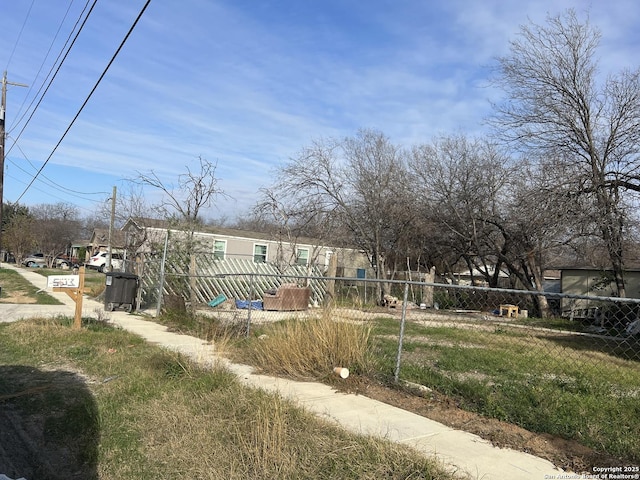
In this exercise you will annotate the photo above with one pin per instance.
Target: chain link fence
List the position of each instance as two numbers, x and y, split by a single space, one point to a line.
573 327
561 364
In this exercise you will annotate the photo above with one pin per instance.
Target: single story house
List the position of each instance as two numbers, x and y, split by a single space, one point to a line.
596 282
80 249
142 235
99 241
476 278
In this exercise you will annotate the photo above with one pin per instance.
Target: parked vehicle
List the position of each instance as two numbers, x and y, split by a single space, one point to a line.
99 261
35 260
64 261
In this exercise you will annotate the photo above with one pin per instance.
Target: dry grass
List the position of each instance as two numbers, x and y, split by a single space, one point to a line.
243 433
160 416
202 326
16 289
312 348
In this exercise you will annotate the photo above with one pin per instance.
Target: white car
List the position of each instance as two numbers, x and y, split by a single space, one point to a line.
99 261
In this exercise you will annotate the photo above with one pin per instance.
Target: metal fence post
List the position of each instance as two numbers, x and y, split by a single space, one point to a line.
396 373
161 283
251 292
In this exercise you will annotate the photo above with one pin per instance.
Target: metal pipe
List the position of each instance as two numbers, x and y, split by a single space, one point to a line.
396 373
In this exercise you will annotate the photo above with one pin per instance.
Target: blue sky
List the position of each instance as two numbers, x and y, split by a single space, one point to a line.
249 83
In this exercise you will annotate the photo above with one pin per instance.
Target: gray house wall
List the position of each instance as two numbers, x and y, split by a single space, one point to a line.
242 247
595 282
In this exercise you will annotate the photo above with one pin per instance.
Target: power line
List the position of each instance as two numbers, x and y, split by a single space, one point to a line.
51 182
15 45
88 97
54 76
19 112
50 195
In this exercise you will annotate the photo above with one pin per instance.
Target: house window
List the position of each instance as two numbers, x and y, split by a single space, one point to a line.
302 256
260 253
219 249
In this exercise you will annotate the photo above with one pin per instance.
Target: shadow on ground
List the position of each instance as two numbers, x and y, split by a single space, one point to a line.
48 425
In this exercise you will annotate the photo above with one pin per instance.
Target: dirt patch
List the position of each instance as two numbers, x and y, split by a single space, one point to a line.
17 297
566 454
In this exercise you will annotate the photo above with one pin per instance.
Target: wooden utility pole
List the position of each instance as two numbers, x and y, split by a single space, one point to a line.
3 109
111 225
2 134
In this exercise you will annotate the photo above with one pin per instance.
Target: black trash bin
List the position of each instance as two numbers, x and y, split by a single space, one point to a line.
120 291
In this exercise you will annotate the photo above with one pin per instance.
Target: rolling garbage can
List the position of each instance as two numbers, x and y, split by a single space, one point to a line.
120 291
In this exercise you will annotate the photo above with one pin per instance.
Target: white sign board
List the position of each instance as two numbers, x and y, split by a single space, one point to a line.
63 281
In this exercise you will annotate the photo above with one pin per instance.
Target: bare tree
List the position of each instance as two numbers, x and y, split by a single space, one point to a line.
463 183
542 223
380 205
355 185
182 206
557 108
195 191
131 202
288 219
491 214
55 228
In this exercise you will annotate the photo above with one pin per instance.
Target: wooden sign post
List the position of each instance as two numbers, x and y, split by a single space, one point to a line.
72 285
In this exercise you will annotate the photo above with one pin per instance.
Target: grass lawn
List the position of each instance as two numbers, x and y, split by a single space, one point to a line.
566 385
101 403
15 289
572 386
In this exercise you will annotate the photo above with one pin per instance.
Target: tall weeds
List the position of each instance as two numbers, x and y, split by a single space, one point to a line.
312 348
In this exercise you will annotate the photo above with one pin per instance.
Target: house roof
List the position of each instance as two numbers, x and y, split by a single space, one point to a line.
141 223
100 236
597 269
478 273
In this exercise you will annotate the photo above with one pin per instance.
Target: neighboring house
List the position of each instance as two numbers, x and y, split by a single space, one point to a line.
99 241
552 281
595 282
79 246
476 278
145 235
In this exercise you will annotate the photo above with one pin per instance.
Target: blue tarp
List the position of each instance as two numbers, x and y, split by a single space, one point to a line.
255 304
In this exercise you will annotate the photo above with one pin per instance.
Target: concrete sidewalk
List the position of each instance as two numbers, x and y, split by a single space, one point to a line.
10 312
462 451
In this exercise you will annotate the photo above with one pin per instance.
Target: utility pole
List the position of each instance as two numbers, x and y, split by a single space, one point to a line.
3 109
113 215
